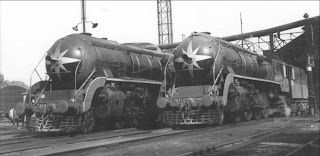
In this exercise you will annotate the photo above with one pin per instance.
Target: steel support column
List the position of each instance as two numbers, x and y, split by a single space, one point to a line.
165 35
310 52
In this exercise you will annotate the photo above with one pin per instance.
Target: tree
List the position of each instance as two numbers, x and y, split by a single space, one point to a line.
18 83
3 83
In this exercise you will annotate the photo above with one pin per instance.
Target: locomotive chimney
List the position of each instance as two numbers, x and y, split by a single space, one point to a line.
88 34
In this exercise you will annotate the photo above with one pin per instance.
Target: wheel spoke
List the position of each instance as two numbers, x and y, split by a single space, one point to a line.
248 116
221 117
257 114
88 122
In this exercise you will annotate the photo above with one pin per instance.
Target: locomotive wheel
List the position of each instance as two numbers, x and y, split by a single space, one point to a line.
257 114
236 118
175 126
265 113
221 118
247 116
120 124
136 122
88 122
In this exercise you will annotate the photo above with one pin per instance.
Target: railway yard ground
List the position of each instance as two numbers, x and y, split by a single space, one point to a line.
273 136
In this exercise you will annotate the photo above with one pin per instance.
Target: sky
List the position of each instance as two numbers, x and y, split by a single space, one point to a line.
29 28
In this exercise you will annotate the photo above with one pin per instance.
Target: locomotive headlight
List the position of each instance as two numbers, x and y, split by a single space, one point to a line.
77 52
206 50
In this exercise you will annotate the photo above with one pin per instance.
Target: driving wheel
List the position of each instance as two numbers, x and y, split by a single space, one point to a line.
247 116
88 122
265 113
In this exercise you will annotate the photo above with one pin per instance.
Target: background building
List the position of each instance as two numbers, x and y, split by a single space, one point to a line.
10 96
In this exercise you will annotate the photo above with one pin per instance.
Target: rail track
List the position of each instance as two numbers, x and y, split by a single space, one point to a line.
69 145
311 147
9 139
13 140
13 135
109 138
6 132
213 150
53 142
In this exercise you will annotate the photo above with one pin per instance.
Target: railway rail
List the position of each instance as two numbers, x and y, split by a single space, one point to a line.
103 139
40 143
12 139
73 145
93 142
6 132
312 147
213 150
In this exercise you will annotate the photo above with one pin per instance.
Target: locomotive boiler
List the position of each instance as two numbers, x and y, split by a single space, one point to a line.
94 81
215 78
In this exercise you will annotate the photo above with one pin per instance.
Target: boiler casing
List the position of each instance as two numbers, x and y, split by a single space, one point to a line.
83 54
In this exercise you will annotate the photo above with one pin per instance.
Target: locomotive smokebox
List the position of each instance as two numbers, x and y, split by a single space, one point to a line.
194 58
63 60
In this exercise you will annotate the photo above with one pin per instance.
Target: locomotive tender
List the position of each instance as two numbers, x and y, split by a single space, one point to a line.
94 80
215 78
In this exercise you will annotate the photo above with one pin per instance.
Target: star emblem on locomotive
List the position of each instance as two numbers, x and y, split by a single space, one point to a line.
173 90
58 60
190 58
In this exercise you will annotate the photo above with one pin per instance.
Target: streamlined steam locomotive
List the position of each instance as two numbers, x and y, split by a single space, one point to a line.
95 80
215 78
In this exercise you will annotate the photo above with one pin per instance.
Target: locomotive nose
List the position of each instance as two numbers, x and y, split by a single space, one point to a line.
62 59
193 54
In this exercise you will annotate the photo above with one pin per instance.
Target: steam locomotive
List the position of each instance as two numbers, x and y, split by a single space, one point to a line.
95 80
216 79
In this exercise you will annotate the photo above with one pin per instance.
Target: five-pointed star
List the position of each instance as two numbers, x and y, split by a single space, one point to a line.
172 91
194 58
60 60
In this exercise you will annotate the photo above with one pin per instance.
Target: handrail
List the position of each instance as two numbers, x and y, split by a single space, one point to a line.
215 81
35 70
76 71
38 96
85 82
164 82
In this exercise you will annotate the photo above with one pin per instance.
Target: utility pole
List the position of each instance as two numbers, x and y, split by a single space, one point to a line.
83 13
165 34
83 18
241 30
